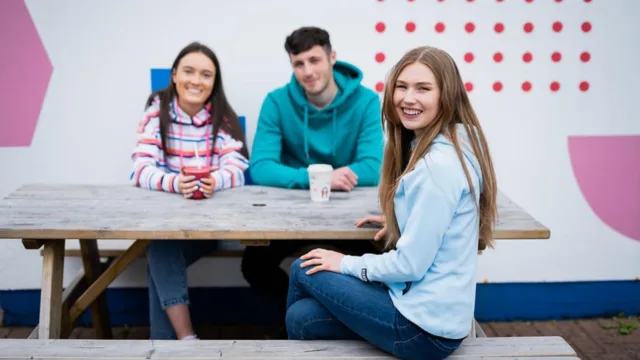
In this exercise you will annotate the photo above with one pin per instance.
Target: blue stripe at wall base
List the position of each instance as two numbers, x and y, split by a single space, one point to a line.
241 305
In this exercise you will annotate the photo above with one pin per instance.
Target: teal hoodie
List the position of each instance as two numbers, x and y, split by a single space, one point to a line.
292 134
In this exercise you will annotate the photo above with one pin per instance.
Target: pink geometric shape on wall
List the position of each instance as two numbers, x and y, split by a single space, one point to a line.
25 70
607 169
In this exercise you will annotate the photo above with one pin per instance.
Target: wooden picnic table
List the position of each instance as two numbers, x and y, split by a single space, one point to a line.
47 215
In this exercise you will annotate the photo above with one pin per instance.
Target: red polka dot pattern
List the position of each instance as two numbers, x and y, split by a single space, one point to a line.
498 56
468 57
557 26
528 27
469 27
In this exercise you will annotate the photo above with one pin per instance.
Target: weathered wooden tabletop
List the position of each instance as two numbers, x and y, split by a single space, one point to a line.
38 211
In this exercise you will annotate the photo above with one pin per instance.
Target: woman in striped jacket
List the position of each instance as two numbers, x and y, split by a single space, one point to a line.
188 123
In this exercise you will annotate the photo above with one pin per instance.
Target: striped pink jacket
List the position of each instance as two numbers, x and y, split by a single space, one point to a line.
151 170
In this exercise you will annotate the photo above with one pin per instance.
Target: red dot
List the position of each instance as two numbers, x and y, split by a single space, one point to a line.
529 1
379 87
468 57
380 57
557 26
585 56
499 27
558 1
527 57
526 86
555 86
469 0
468 86
411 0
556 56
440 27
584 86
410 27
497 57
586 26
587 1
528 27
497 86
469 27
440 0
380 27
499 0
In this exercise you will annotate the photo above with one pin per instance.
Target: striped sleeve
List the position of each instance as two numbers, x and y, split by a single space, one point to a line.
232 163
147 155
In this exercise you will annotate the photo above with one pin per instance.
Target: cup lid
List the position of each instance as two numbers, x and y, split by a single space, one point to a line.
320 168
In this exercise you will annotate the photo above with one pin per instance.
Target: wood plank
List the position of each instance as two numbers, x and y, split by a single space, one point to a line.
114 253
254 213
93 269
106 278
485 348
51 293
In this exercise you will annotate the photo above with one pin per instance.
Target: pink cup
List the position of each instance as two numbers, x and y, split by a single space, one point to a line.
198 173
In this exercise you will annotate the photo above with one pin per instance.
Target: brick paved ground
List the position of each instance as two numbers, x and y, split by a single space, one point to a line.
593 339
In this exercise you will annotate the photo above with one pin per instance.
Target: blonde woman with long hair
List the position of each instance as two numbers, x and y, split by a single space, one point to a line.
438 194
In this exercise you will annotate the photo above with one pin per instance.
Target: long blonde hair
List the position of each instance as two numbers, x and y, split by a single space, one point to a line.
455 108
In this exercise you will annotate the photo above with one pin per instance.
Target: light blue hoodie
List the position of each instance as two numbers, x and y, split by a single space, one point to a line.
431 275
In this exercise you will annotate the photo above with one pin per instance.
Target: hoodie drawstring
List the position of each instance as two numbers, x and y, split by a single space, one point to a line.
334 142
306 130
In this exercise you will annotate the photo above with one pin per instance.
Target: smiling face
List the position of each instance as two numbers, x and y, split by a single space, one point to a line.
313 69
194 80
416 97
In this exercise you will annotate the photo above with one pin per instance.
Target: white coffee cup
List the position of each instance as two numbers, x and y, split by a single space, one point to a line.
320 181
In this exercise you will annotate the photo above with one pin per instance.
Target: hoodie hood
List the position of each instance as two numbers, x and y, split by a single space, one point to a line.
465 145
347 78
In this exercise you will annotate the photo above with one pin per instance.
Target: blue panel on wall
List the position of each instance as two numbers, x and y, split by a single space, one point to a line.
160 78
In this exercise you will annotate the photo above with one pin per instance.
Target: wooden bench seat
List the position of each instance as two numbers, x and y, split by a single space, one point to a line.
528 348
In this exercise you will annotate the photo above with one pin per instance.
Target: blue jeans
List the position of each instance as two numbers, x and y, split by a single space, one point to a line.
332 306
167 263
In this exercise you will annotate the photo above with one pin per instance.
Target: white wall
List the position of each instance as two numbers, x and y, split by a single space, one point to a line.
102 52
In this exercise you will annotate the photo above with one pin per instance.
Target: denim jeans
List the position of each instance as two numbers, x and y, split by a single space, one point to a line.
332 306
261 264
167 263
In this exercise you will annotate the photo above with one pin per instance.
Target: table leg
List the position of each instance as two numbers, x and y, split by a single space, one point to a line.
51 293
93 269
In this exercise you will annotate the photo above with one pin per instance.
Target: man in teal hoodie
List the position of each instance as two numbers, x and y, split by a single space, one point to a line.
324 115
